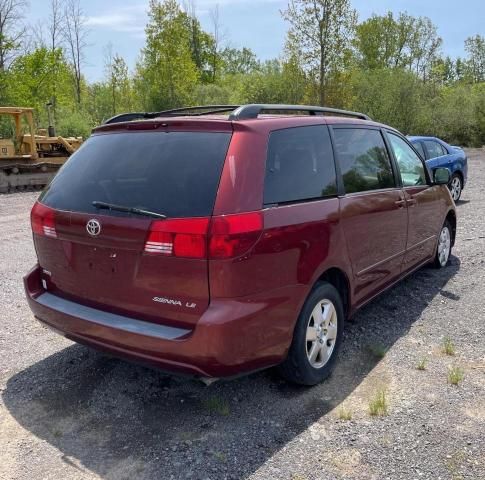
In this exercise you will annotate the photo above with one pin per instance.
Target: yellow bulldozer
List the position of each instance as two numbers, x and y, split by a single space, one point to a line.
30 159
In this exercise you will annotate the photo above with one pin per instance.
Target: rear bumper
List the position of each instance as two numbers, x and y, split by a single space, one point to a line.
232 337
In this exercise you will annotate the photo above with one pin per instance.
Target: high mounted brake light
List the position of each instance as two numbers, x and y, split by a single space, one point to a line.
42 220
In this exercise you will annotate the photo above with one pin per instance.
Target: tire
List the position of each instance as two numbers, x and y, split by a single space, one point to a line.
456 187
443 247
311 361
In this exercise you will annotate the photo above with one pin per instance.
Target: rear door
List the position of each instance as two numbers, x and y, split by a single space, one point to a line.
424 203
373 210
142 266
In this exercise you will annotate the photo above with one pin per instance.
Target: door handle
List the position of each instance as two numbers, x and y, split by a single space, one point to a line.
400 203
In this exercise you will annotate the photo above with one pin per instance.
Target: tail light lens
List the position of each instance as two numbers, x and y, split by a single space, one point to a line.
233 235
42 219
230 236
185 237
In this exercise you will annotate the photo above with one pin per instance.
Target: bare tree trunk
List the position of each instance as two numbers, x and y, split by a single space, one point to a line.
11 36
214 15
75 33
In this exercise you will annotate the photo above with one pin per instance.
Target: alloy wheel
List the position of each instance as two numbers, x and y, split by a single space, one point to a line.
321 333
444 246
455 188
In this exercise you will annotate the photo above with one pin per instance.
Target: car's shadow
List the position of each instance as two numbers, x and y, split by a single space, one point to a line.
120 420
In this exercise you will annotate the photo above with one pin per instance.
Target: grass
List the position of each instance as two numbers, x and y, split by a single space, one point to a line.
344 414
379 351
455 375
422 364
222 457
448 347
378 405
217 405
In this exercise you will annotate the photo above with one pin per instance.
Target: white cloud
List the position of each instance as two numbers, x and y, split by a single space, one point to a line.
129 19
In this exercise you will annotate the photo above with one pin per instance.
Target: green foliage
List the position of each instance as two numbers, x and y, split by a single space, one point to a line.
166 75
74 124
388 66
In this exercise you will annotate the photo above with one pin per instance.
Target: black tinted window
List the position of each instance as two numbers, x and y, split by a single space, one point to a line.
174 173
363 158
300 165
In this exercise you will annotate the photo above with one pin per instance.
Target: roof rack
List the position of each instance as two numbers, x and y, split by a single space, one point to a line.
178 112
238 112
246 112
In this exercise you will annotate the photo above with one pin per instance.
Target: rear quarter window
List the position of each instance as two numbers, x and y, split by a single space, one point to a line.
300 165
173 173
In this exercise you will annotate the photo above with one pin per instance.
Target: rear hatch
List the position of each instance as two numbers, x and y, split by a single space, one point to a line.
134 263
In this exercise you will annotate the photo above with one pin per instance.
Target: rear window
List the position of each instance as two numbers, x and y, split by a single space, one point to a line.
172 173
300 165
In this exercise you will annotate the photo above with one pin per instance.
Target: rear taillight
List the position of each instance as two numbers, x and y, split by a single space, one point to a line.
233 235
229 236
184 237
42 219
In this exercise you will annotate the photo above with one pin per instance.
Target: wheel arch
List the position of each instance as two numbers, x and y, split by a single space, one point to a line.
339 279
451 218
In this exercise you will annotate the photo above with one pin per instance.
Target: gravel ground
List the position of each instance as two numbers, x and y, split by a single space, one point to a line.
69 412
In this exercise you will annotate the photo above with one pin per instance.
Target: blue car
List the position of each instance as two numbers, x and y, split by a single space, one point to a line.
438 153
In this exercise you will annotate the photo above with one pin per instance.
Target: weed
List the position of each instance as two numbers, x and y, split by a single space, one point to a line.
222 457
378 405
378 350
422 364
344 413
448 346
215 404
455 375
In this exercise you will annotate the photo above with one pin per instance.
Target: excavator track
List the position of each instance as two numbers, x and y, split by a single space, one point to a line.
26 176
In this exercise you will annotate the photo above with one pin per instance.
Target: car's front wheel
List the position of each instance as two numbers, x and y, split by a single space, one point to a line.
317 337
456 187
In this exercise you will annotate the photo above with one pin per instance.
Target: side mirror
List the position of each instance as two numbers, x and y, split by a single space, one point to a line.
442 176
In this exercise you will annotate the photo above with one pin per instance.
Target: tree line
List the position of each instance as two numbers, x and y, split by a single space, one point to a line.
389 66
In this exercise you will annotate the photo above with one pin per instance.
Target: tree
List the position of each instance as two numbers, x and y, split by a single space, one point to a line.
475 48
321 30
11 30
117 82
201 43
75 35
405 42
166 75
238 61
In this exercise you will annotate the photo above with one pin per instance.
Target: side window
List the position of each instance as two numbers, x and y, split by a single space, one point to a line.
419 147
410 165
300 165
363 158
434 149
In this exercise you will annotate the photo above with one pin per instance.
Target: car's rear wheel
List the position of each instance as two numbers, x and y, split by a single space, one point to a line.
443 249
456 187
317 337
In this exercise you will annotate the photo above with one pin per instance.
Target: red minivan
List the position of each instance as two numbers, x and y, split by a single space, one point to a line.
216 241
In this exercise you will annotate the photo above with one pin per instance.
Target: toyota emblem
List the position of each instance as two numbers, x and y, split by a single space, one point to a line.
93 227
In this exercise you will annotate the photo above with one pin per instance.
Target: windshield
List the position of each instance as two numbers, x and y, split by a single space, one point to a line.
171 173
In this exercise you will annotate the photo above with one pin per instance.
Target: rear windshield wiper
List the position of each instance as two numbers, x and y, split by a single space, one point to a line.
122 208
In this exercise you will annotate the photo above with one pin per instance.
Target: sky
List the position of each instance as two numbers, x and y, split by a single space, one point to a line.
256 24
